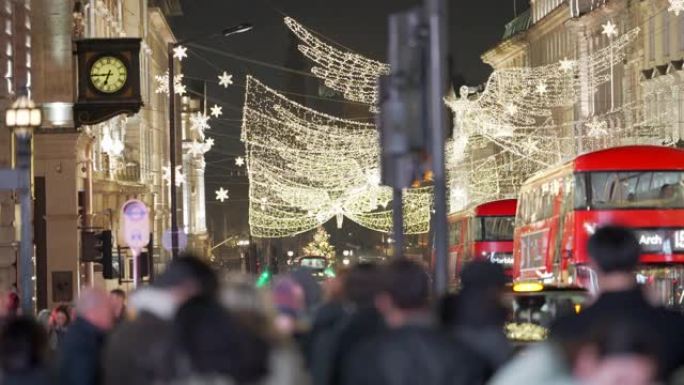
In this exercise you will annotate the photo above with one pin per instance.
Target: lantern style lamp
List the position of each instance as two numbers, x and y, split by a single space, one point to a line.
23 117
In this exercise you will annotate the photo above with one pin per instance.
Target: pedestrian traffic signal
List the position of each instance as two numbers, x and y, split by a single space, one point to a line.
96 246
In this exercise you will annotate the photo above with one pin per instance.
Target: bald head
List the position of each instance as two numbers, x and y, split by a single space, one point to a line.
93 305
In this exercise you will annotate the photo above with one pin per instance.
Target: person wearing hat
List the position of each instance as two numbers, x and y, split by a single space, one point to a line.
137 352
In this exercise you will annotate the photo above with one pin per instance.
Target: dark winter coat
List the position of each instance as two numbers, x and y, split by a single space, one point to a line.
79 360
415 354
138 352
666 327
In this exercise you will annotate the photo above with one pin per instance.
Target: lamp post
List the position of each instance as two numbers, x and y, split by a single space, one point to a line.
240 28
22 118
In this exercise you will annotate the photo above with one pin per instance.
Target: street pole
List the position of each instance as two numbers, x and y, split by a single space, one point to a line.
172 153
26 269
436 13
398 221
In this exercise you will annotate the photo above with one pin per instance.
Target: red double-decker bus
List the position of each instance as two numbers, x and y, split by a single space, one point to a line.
639 187
482 232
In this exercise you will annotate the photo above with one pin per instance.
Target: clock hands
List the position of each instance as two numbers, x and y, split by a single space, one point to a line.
109 73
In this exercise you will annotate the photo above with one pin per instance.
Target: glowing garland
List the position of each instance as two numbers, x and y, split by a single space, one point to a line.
354 75
306 167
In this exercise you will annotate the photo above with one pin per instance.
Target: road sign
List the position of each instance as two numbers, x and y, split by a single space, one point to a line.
136 224
182 240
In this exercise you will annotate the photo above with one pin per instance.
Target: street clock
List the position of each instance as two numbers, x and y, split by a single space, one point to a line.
108 79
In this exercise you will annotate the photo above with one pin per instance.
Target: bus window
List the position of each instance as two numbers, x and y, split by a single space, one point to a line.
580 191
496 228
455 233
646 189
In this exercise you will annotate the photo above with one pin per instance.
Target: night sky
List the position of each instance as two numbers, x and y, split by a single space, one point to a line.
360 25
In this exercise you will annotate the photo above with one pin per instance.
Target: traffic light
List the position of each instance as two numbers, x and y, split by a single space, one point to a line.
96 246
145 258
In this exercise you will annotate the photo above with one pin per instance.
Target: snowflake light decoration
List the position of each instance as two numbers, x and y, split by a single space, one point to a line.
541 88
221 194
216 111
199 122
225 79
566 65
239 161
163 83
180 177
180 52
676 6
609 29
196 148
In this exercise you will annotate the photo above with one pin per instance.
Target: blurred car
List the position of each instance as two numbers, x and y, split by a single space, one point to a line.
319 266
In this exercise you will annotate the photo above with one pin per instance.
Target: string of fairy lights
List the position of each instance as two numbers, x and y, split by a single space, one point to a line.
306 167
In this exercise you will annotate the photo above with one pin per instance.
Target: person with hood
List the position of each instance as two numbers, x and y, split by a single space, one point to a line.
137 352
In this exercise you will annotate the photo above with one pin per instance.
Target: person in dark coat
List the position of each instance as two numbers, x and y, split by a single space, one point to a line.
476 315
413 350
138 350
614 253
118 298
79 358
23 352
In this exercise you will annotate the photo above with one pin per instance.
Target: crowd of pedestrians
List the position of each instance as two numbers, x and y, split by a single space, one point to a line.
369 325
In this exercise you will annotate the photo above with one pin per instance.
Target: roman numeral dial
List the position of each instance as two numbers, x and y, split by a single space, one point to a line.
108 74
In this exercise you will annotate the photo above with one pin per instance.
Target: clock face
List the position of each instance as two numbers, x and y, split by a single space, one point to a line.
108 74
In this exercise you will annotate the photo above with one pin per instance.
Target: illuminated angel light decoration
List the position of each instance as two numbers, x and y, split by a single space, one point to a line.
306 167
354 75
512 119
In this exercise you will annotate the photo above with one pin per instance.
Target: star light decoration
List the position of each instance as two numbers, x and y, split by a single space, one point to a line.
239 161
609 29
306 167
221 194
180 52
354 75
225 79
199 122
676 6
216 111
163 84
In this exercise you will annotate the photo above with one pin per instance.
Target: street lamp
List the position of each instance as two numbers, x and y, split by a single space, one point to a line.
240 28
22 118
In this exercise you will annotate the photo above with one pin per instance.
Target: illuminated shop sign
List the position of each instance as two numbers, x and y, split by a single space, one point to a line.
666 241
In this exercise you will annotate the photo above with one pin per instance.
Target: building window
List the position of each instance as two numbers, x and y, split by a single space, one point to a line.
8 26
651 39
666 34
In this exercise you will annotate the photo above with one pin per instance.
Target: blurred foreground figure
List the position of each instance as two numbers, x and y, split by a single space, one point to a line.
79 358
615 252
138 350
620 329
212 348
118 299
58 324
413 351
476 316
255 314
23 351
